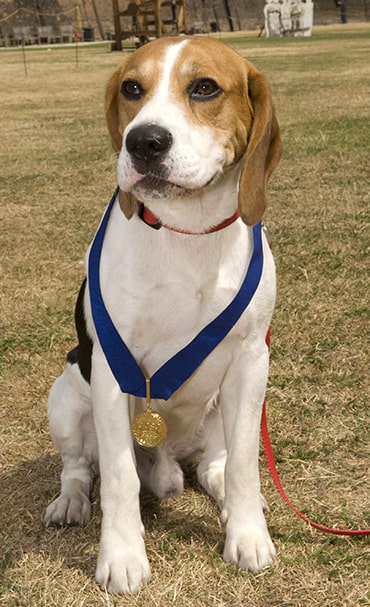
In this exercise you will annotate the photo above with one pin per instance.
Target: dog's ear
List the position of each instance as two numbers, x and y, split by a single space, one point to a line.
263 152
112 96
127 203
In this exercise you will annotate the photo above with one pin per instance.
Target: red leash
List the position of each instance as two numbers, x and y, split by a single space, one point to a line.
274 473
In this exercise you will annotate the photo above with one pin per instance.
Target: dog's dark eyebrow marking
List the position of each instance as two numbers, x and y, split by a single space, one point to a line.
82 353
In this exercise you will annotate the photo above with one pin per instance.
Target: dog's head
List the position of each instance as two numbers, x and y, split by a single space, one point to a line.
182 113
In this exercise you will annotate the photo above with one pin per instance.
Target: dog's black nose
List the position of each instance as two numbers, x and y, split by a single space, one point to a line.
148 144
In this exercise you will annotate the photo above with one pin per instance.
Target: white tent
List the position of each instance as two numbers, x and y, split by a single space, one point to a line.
284 17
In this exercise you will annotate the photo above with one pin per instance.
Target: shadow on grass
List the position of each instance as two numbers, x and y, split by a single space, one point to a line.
190 520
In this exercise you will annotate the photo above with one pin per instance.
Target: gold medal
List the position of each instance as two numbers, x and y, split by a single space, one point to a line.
149 428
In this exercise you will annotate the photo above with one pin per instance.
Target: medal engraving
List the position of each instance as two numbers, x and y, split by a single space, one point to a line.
149 428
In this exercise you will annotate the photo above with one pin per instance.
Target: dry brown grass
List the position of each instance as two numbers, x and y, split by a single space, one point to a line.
57 173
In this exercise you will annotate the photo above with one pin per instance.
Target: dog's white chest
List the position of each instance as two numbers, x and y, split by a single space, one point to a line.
161 288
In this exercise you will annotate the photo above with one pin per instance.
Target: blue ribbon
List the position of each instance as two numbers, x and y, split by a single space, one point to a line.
168 378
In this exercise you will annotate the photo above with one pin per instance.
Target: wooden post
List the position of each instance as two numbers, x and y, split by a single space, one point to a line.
117 25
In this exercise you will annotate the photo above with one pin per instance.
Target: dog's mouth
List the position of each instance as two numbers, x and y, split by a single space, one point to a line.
156 187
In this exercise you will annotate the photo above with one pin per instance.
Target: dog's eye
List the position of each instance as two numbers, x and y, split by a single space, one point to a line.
131 89
204 89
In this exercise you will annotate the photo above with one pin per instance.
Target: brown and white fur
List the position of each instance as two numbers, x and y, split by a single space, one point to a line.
218 145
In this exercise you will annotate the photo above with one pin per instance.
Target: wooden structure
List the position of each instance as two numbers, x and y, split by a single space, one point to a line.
22 35
144 19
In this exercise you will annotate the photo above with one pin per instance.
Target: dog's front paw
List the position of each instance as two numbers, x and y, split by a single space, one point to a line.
124 569
249 546
68 509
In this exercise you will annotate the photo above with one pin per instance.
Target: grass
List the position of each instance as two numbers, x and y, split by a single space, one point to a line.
57 174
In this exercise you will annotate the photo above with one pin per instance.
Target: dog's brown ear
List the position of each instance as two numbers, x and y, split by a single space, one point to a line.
112 97
127 203
263 151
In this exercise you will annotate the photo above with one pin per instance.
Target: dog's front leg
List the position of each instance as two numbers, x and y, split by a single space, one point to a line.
248 542
122 563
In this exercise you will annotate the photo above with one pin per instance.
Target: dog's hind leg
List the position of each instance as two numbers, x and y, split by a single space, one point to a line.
73 433
159 472
211 468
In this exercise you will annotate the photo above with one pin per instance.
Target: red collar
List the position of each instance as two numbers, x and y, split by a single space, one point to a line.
152 220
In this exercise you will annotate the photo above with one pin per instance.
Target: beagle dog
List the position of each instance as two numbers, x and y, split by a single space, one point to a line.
173 316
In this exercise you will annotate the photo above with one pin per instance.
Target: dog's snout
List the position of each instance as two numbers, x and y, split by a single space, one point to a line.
147 144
